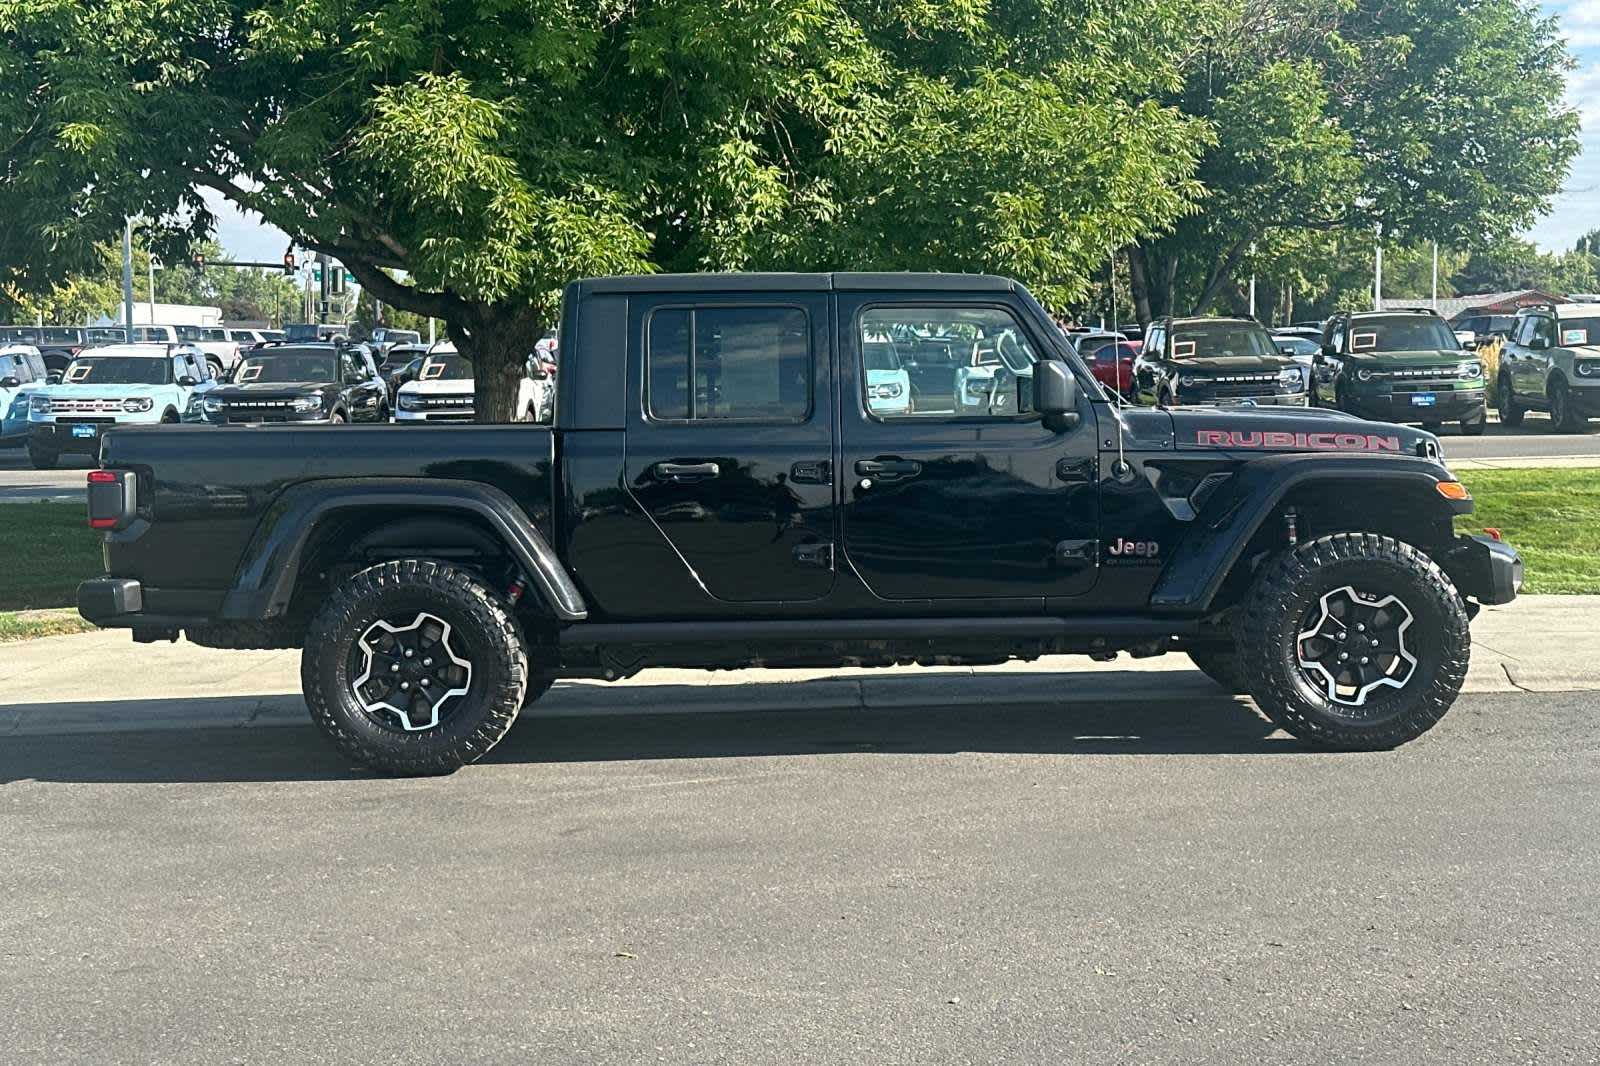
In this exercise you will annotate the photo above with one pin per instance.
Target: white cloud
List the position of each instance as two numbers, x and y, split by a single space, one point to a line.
1580 21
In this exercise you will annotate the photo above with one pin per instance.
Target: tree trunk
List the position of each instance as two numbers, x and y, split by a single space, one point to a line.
1139 282
498 342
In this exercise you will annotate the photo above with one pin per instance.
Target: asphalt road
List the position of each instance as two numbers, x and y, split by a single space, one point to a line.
20 483
1129 883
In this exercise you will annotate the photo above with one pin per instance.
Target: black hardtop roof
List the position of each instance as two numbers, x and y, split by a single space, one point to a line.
1234 319
829 282
1395 312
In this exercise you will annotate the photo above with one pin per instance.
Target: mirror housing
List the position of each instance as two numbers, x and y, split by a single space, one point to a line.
1538 344
10 383
187 382
1055 393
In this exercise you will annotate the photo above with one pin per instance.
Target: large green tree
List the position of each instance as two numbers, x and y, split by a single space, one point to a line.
1430 119
465 158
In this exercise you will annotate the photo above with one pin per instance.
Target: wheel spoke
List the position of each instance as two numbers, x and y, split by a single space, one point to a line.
408 673
1353 642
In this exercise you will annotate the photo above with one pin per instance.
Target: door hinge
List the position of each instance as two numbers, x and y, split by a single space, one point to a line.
819 554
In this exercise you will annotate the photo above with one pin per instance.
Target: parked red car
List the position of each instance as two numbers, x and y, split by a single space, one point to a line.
1112 366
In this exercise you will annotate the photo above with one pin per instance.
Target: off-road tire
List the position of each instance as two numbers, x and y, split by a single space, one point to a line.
1288 586
216 367
1475 428
1511 412
42 459
1433 427
1564 418
337 418
491 640
1222 666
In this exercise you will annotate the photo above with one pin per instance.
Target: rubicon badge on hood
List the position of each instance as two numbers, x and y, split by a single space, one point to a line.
1326 442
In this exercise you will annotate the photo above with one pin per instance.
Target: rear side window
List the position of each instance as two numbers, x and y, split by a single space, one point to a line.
711 363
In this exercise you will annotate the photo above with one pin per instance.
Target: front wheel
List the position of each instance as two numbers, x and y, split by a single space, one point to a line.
1564 418
42 458
1474 427
414 667
1356 641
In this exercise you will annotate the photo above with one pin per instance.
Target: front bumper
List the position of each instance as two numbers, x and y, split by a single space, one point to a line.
1488 570
312 418
1449 405
1585 399
436 414
1197 398
70 438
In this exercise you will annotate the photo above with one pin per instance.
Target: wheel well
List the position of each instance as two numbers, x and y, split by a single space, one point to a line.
1409 513
345 543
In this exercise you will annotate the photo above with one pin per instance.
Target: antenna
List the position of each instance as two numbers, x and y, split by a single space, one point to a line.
1121 470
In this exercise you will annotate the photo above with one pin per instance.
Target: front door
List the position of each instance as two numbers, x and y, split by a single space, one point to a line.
730 440
965 493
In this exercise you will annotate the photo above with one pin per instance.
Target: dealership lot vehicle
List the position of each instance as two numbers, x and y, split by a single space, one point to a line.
127 384
22 370
399 365
1112 366
708 498
1297 346
1552 363
1400 366
305 384
383 338
1215 361
441 392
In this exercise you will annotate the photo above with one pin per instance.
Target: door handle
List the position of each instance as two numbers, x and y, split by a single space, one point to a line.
1076 471
888 469
685 471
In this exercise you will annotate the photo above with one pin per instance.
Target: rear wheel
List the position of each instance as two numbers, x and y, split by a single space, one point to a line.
42 458
1511 412
1355 641
216 366
414 667
1474 427
337 418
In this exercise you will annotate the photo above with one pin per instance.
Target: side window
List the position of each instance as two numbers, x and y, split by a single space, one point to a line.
709 363
349 365
1544 329
944 362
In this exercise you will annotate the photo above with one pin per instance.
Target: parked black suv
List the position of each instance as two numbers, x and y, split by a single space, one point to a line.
1215 361
303 383
718 490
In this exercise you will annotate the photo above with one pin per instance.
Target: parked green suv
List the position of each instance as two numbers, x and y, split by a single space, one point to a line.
1551 363
1399 366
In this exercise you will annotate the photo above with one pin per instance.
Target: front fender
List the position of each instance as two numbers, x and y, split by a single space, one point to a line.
1230 520
265 580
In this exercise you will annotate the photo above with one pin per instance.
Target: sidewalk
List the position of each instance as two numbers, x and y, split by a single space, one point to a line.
103 682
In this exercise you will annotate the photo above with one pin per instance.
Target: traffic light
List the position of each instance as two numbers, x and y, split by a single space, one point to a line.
288 261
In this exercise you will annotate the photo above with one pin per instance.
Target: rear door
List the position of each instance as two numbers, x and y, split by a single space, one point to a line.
969 496
730 439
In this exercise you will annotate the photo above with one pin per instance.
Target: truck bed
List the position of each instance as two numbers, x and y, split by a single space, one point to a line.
207 488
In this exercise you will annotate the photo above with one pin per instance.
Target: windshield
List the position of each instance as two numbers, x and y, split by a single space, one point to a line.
281 368
1411 333
446 368
1579 331
119 370
878 353
1211 340
1109 353
1297 345
400 355
107 335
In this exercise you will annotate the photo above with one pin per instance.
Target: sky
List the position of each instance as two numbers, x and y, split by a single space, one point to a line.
1575 212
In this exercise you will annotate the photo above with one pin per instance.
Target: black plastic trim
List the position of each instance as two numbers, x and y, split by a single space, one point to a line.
814 629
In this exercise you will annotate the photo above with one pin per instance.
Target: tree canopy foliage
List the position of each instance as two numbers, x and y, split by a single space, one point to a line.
466 158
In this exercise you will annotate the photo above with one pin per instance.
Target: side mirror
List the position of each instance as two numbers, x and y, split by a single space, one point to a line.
1470 345
187 382
1538 344
10 383
1055 392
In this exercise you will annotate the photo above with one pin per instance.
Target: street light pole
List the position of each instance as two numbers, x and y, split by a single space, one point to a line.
1377 271
127 274
152 271
1436 275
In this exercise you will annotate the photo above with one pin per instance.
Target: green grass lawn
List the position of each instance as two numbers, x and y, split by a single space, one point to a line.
47 549
1551 516
30 624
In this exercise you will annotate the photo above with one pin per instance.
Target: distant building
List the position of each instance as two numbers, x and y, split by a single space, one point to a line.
1488 303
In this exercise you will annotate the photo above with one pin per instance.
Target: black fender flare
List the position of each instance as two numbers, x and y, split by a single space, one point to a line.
1194 574
265 579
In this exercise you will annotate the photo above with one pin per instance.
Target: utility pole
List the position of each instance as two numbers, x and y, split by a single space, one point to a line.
127 274
1436 275
1377 271
1252 281
152 265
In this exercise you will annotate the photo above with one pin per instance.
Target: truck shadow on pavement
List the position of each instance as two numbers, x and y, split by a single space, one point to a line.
290 752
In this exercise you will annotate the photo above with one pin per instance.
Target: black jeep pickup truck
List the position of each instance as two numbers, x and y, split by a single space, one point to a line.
719 491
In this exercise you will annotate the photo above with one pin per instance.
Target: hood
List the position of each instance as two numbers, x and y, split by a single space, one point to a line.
89 390
437 387
267 390
1424 358
1291 429
1233 364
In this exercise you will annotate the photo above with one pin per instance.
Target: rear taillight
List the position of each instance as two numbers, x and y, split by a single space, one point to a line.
113 498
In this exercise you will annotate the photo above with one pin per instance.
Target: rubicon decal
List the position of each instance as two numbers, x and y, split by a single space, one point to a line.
1321 442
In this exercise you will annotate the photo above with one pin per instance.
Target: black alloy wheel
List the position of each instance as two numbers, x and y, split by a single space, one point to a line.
1511 412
